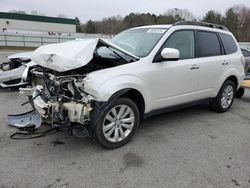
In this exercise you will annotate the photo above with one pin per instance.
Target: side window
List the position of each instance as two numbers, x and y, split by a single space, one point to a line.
228 43
182 41
208 44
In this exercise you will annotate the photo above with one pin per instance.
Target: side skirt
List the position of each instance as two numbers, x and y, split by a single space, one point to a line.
174 108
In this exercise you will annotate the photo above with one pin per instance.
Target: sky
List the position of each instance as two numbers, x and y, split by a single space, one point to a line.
98 9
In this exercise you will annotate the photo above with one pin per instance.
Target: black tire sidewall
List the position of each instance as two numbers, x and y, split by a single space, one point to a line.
99 135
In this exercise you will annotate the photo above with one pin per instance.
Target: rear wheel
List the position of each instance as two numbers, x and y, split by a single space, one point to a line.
225 97
117 124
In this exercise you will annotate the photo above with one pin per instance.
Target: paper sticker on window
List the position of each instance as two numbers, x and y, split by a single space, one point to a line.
156 30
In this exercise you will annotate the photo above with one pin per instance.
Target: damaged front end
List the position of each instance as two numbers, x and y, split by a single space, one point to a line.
59 102
59 98
62 101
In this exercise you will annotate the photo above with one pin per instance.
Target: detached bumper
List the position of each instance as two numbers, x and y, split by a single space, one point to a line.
25 120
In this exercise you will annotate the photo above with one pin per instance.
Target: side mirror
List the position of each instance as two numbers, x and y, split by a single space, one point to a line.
171 54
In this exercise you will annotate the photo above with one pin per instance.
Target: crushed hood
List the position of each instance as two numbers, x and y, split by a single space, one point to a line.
70 55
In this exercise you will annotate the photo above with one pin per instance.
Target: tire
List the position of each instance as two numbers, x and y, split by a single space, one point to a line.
221 103
240 93
109 128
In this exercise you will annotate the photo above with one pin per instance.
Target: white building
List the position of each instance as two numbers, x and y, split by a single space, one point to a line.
15 22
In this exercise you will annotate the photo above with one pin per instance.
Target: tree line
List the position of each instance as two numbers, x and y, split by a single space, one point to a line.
236 19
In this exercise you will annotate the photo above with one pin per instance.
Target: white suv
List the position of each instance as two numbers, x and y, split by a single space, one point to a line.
109 86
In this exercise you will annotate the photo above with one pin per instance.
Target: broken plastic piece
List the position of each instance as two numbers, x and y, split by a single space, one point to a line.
25 120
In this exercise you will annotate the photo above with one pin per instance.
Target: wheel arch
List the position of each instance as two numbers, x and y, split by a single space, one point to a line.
137 97
98 107
234 79
133 94
229 75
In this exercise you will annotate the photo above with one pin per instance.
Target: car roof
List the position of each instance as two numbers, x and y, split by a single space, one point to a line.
162 26
168 26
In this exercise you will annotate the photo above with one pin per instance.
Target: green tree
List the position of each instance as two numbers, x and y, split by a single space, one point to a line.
213 17
78 25
231 21
90 27
163 19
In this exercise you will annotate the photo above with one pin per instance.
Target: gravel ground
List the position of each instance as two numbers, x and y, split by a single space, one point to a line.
194 147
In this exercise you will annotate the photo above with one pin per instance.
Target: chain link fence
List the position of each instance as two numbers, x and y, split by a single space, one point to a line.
27 40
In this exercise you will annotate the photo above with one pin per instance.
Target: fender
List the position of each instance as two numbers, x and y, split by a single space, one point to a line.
103 91
231 71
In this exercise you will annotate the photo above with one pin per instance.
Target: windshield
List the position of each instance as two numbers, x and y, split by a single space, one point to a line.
139 42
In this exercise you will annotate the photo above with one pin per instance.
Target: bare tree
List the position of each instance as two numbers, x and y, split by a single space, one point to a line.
184 14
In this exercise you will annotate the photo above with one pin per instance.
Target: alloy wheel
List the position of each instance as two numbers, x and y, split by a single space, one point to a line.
118 123
227 96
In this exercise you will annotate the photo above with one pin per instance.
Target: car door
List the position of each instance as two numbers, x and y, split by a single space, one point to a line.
211 62
175 82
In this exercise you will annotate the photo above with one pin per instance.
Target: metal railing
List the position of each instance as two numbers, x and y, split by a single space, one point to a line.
26 40
29 40
245 45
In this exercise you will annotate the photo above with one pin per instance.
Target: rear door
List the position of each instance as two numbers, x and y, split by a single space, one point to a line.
211 62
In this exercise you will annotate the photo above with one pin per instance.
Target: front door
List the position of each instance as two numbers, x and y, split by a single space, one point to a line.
175 82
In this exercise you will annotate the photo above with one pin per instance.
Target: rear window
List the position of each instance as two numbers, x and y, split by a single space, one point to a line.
208 44
228 43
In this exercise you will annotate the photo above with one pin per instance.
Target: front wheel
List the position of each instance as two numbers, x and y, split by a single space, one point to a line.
225 97
118 123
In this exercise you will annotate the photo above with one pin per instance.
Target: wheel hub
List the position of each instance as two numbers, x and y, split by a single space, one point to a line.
227 96
118 123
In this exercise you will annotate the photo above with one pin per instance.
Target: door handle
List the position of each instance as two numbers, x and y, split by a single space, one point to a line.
225 63
194 67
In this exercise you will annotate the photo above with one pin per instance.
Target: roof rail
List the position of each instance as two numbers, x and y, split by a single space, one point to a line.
204 24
